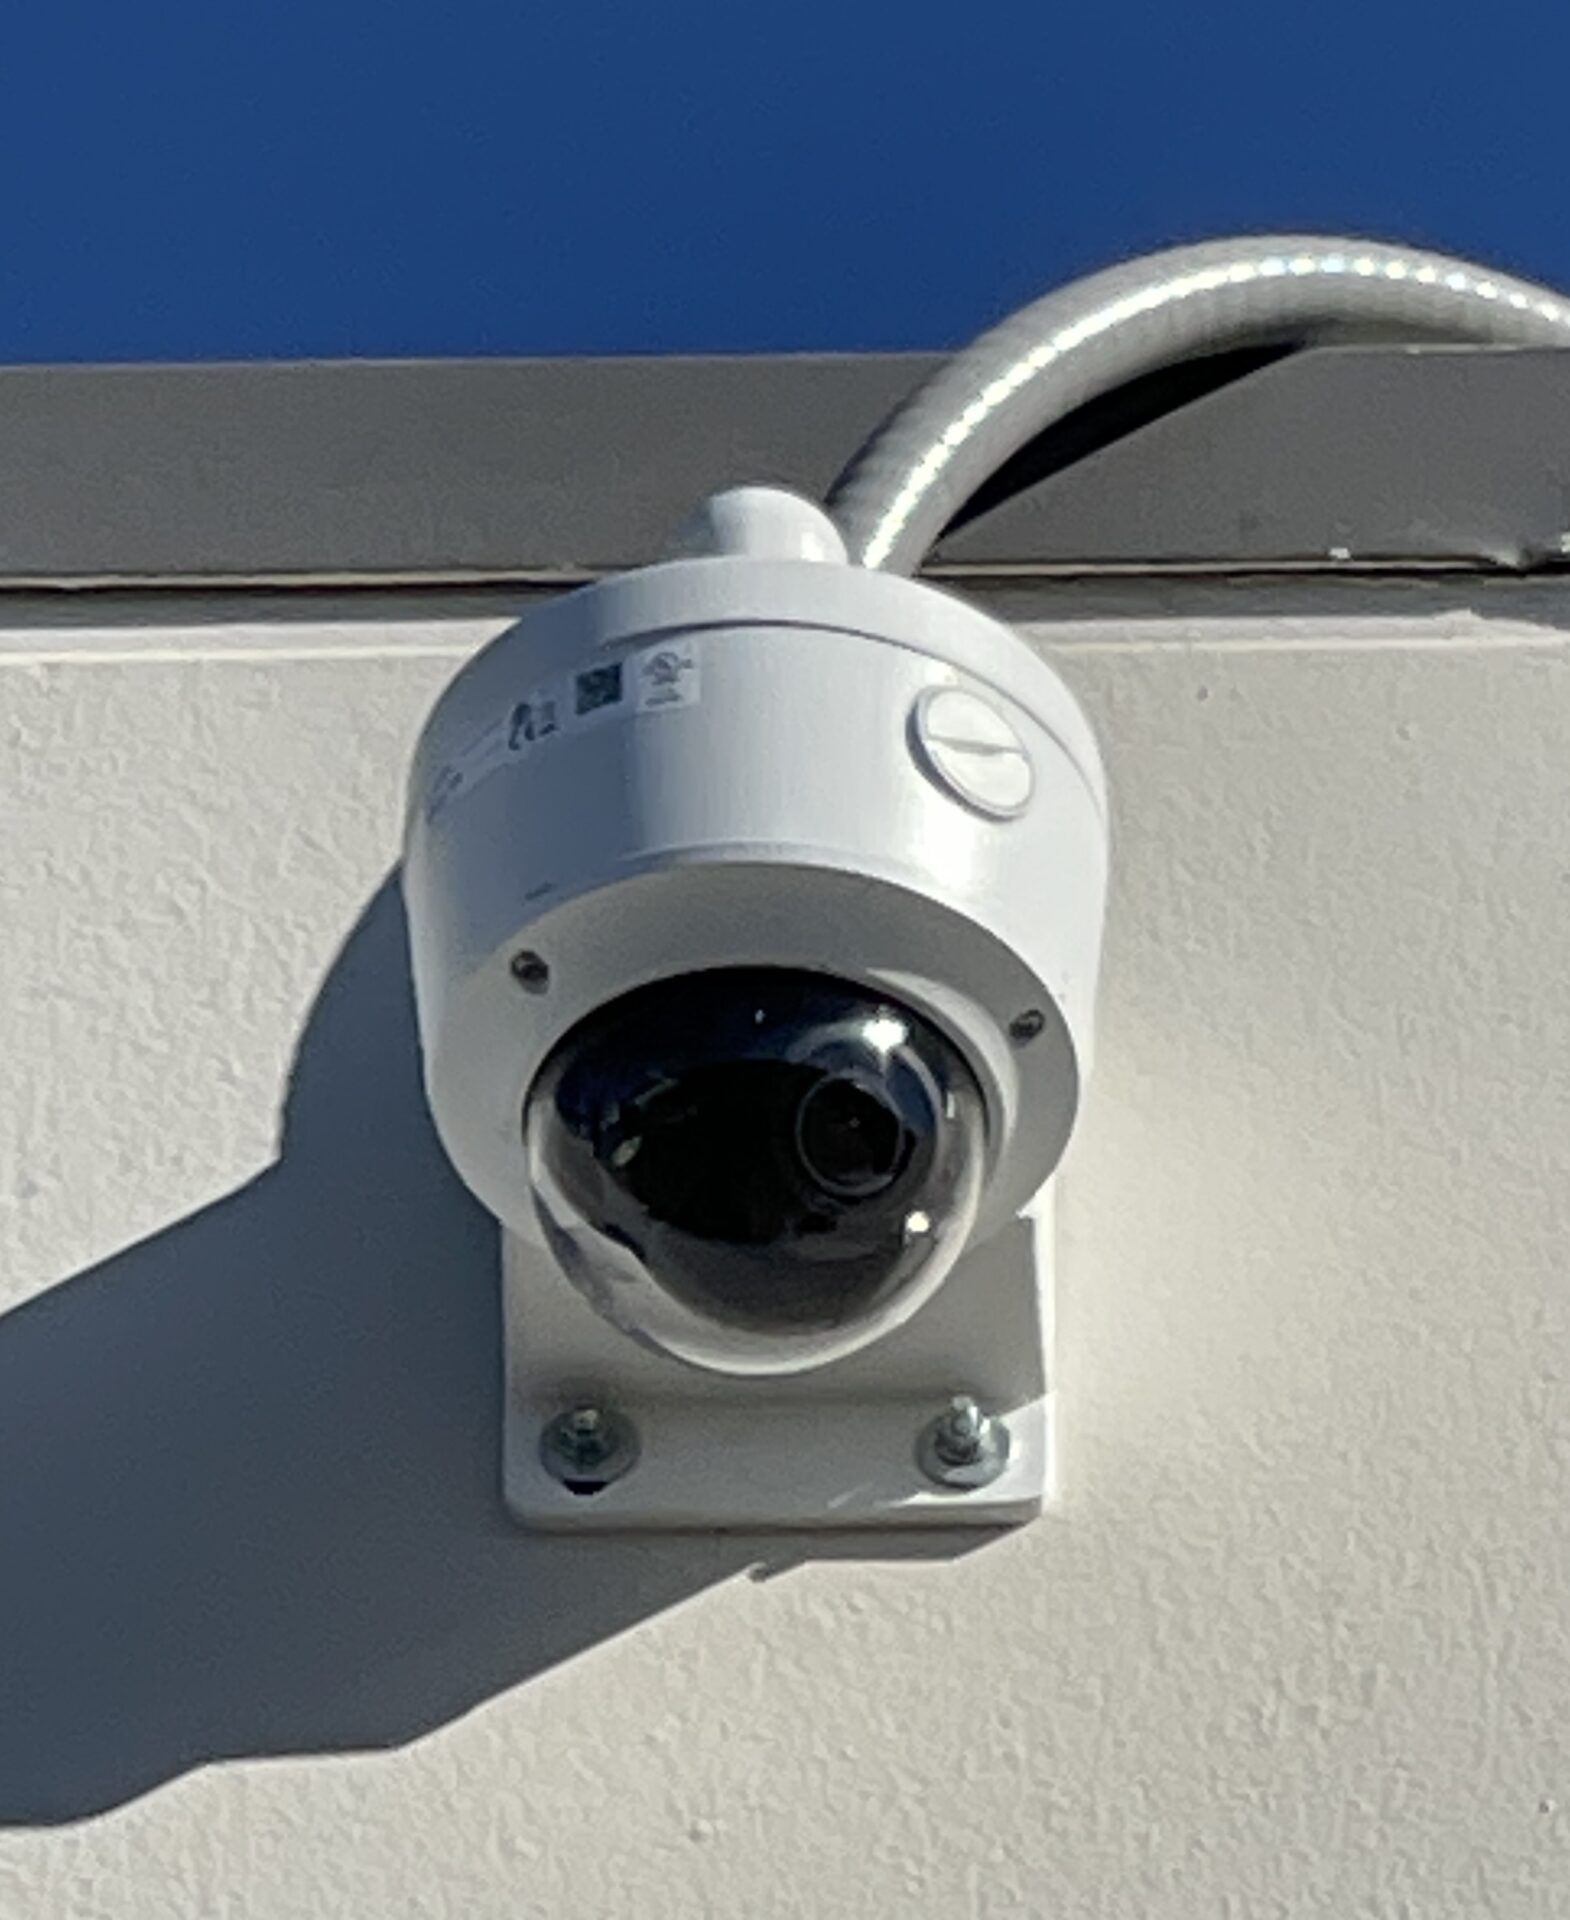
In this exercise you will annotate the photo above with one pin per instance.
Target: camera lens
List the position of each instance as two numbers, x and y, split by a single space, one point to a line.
756 1169
850 1140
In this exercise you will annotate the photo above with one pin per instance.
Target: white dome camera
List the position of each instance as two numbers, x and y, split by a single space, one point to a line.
755 904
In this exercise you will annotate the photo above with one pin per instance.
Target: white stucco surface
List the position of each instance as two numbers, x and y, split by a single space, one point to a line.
1296 1642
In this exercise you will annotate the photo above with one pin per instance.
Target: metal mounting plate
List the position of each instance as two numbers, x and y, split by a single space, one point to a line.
836 1447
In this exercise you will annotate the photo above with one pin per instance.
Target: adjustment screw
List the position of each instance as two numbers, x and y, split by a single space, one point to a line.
530 972
963 1447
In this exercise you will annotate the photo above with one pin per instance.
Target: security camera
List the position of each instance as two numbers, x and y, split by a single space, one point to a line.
755 904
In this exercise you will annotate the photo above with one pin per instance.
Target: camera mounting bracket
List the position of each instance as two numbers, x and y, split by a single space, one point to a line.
837 1446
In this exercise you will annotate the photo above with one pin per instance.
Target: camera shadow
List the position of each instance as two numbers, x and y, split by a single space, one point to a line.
249 1467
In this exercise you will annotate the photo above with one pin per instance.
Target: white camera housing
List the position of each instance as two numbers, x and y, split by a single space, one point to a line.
758 756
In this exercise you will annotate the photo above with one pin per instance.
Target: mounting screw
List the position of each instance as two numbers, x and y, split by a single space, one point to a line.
586 1447
963 1448
530 972
1024 1027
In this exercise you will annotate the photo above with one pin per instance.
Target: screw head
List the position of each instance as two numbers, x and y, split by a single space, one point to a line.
530 972
587 1447
963 1448
973 752
1027 1026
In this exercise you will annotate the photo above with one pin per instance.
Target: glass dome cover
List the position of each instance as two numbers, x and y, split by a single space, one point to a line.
756 1169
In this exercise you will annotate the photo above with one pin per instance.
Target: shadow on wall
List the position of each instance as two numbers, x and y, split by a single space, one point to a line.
248 1468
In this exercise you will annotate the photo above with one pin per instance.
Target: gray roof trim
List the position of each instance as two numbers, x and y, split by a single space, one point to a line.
551 471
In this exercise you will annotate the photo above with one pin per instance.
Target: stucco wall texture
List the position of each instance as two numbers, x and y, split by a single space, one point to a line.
1294 1643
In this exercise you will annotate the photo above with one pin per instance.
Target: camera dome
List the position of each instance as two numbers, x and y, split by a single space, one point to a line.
756 1170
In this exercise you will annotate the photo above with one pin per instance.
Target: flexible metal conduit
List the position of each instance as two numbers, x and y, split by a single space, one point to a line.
904 486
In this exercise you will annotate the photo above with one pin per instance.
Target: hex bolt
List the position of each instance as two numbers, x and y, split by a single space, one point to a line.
586 1435
587 1447
958 1438
964 1447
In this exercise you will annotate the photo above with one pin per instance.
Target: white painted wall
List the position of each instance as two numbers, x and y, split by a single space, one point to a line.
1297 1642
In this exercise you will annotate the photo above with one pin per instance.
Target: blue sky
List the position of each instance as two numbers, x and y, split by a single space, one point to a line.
211 179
